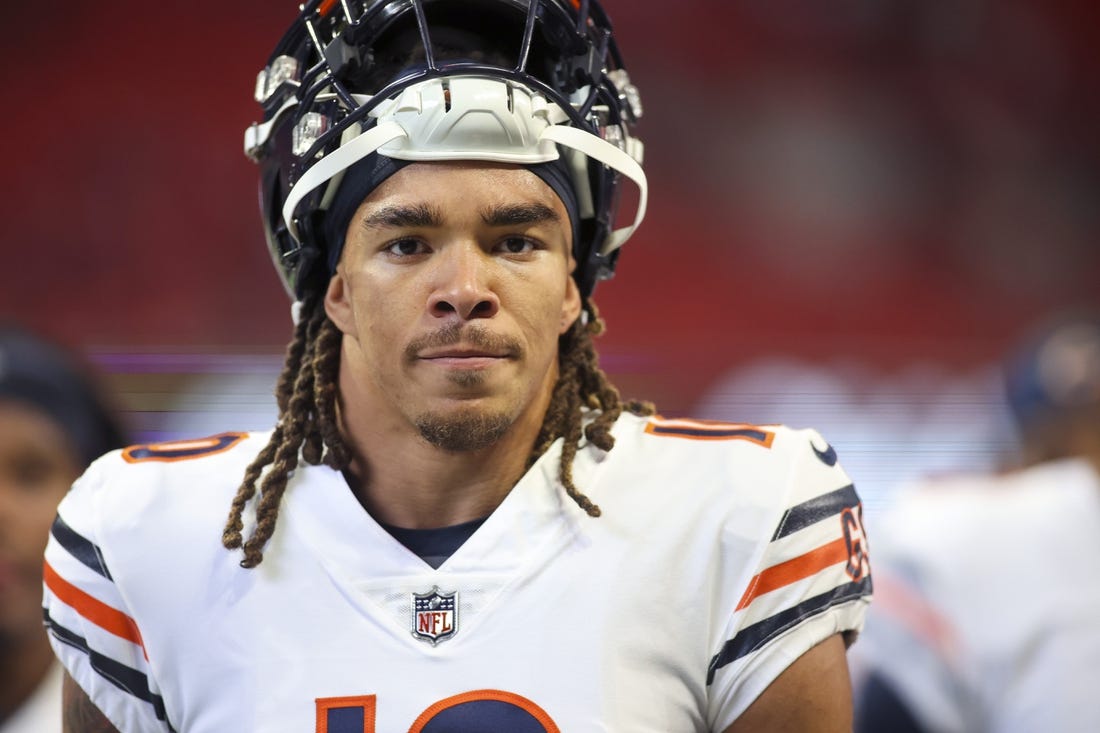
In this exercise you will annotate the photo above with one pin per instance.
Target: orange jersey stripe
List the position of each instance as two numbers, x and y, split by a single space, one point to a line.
99 613
794 570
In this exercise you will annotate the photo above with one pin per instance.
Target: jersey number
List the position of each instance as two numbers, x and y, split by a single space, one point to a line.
855 539
469 712
709 430
182 450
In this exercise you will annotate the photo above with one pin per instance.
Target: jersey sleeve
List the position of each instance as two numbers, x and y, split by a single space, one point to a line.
812 577
91 631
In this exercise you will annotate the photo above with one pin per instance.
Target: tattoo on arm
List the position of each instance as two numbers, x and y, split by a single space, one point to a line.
78 713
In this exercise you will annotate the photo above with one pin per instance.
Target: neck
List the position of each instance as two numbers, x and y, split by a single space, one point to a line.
405 481
432 488
23 665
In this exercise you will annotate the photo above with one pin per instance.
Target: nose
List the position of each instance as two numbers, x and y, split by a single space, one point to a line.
463 284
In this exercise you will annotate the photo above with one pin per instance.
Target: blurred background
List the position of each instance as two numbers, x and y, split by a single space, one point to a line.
856 207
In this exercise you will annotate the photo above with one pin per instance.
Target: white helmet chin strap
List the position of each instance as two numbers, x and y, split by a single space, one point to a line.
473 118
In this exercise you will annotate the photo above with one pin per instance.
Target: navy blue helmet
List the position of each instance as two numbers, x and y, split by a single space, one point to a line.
1056 370
356 87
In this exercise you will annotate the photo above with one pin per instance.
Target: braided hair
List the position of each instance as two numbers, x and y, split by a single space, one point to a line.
307 427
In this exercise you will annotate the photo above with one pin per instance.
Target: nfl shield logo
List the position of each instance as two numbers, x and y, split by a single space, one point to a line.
435 615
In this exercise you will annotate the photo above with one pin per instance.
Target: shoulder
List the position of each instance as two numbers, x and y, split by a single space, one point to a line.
164 468
131 559
122 526
767 463
149 491
754 495
767 515
747 441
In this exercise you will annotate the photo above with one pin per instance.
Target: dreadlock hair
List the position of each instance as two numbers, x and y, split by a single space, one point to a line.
306 394
582 384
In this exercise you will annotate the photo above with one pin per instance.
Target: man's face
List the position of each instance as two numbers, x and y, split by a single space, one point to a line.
37 466
452 289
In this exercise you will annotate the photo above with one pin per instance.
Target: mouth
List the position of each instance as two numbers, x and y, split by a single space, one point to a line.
463 358
464 347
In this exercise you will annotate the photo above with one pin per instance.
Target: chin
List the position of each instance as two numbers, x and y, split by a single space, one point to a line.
464 429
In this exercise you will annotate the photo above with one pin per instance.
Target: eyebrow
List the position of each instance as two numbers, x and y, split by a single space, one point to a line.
519 214
404 217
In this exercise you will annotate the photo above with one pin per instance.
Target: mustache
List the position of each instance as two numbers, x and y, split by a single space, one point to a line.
457 333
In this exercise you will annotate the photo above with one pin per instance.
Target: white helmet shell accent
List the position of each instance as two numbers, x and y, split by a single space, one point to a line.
470 118
515 81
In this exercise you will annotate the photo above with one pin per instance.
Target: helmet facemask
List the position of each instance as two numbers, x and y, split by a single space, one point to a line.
499 80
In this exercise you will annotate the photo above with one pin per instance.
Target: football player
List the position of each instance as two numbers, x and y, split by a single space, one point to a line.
53 423
457 524
990 585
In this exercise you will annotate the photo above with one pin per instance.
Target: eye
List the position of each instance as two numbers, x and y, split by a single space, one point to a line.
406 247
516 245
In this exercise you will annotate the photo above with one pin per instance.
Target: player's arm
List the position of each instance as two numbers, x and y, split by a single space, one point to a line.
813 695
78 713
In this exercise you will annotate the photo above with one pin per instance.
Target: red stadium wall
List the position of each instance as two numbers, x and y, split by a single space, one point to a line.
886 184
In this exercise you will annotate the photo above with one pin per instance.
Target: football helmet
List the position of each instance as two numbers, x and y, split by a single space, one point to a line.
1057 368
518 81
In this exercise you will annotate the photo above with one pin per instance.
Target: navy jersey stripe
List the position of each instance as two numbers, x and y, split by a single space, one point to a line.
124 678
703 432
753 637
79 547
814 510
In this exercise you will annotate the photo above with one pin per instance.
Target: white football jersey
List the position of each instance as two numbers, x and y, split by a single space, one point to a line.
987 615
724 552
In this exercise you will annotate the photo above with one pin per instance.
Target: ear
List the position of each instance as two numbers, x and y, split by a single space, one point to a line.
338 304
570 306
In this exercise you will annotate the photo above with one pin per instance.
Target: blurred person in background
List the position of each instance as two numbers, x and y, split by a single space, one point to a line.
53 423
988 587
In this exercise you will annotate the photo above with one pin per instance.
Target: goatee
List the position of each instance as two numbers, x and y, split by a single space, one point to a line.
462 432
